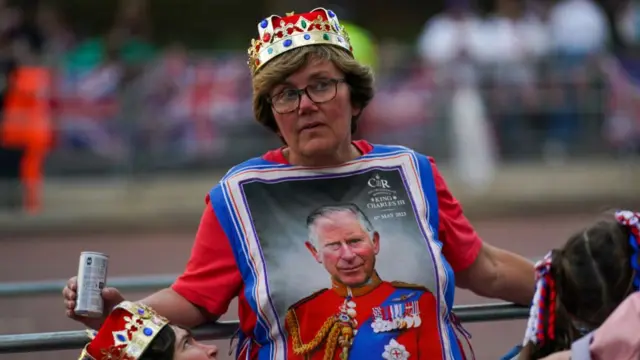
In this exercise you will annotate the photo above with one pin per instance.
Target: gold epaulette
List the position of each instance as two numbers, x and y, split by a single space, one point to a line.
304 300
404 285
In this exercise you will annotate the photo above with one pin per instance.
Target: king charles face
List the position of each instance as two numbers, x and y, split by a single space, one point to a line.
345 249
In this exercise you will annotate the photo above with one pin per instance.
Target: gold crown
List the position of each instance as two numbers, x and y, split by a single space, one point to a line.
125 334
281 34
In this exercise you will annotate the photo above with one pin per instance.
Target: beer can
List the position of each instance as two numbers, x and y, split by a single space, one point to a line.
92 278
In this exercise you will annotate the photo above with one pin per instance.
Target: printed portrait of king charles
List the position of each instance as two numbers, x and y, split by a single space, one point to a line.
360 314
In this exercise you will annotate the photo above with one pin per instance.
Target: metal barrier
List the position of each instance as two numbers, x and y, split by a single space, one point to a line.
67 340
32 288
128 283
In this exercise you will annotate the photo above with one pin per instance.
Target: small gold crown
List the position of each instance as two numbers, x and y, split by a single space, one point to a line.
281 34
125 335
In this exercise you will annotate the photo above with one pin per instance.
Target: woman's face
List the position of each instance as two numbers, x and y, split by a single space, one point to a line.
186 348
314 128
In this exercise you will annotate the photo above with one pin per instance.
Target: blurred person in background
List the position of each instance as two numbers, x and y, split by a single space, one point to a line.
513 40
579 36
309 91
127 39
622 72
622 123
10 156
133 27
26 126
27 123
451 44
91 79
578 29
98 74
164 84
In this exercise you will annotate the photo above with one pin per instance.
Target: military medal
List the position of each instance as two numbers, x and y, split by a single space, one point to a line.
397 316
416 314
378 323
395 351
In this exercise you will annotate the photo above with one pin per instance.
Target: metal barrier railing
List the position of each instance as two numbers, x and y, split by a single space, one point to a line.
68 340
14 289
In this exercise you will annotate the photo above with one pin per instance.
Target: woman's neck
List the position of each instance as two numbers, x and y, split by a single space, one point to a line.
341 155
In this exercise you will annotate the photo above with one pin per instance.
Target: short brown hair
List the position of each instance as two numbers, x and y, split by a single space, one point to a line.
359 78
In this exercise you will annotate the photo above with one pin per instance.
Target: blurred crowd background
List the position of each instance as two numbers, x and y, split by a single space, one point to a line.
117 117
130 87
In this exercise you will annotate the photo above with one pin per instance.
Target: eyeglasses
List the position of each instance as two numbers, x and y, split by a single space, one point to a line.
319 91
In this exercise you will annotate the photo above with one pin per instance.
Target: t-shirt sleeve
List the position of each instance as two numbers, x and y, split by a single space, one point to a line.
211 279
460 242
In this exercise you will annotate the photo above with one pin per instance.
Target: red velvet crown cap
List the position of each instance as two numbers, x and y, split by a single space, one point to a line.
278 35
125 334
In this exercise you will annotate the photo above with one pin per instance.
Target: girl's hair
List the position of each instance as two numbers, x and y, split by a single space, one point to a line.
162 347
359 78
580 285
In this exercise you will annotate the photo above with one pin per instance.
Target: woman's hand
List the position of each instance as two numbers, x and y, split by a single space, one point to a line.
110 296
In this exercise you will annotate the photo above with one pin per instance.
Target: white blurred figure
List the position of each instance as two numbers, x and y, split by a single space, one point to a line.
578 27
474 153
513 39
450 44
579 35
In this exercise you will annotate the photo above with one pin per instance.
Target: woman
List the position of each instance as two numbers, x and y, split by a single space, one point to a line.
580 285
136 332
253 238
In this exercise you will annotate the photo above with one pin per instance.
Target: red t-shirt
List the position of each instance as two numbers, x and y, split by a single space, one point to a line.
212 279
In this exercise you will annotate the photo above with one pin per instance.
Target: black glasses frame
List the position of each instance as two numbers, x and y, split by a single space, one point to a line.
305 90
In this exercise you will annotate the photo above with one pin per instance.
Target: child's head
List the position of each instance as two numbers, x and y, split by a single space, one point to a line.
176 343
582 283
